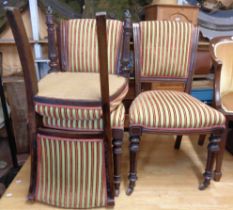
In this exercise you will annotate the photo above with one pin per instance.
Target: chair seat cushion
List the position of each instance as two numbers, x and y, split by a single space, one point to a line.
227 102
76 96
164 109
117 122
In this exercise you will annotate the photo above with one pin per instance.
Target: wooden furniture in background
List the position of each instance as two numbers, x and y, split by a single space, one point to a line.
167 111
16 98
172 12
93 143
8 125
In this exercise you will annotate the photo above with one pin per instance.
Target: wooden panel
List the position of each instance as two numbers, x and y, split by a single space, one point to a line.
16 98
167 180
172 12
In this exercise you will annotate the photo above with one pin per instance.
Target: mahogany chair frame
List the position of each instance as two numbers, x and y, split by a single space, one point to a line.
152 13
216 140
35 125
58 63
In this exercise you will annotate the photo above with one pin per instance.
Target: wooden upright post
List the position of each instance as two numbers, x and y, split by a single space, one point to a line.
103 61
127 34
53 54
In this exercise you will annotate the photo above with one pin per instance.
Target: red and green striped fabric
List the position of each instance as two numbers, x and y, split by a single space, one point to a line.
164 109
71 172
117 122
165 48
79 37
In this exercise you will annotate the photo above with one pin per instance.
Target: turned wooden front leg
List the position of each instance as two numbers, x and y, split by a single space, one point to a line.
213 149
133 149
219 157
117 151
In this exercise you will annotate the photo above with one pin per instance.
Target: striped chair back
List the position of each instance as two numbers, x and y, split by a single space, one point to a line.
71 172
80 48
165 49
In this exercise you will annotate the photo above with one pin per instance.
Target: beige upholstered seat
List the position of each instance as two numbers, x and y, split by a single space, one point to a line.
79 86
76 96
164 109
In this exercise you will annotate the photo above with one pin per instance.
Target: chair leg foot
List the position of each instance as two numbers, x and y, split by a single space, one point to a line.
110 202
31 193
133 148
117 180
178 142
204 184
217 176
132 182
117 192
213 149
130 190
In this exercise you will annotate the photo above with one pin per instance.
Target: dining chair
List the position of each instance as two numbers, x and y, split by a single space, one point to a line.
165 51
72 116
72 47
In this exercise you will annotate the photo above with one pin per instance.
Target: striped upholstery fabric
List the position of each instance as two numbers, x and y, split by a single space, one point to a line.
69 96
71 172
71 112
117 122
164 109
80 40
165 48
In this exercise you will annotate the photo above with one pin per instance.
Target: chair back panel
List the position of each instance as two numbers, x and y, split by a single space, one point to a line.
71 173
165 49
224 52
79 42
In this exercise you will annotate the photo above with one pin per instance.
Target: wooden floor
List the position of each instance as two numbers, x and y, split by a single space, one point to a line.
168 180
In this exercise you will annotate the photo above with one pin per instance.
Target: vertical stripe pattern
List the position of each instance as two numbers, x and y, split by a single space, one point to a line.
165 48
82 46
172 109
71 172
117 122
71 112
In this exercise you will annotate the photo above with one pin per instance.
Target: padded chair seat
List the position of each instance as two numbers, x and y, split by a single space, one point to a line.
227 102
76 96
164 109
117 122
